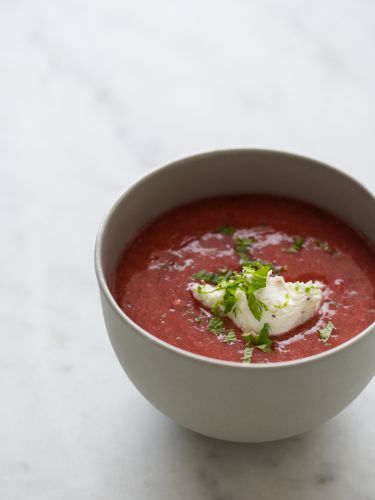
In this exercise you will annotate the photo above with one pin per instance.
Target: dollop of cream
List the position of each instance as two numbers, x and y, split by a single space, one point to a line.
288 304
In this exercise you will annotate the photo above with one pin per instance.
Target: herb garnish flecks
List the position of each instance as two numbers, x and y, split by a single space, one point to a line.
261 341
209 277
326 247
242 247
325 333
247 355
253 341
297 244
230 337
276 269
226 230
216 325
248 281
259 280
230 299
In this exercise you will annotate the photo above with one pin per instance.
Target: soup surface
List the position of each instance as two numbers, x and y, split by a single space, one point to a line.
218 235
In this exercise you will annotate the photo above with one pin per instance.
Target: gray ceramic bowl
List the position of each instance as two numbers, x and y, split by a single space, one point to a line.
228 400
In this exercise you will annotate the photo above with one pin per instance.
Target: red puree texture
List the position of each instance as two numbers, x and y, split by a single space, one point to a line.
151 281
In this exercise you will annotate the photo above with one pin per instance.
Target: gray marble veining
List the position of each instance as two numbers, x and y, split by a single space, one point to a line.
94 94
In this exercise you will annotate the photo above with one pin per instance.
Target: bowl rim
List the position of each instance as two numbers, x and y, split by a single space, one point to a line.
182 352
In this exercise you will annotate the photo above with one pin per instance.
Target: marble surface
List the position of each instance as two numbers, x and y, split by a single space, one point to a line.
93 94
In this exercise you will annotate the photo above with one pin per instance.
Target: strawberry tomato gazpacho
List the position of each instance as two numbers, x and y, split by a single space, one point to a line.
251 278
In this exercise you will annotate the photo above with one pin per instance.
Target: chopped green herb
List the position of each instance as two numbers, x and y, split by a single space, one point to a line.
216 311
247 355
325 333
248 281
255 306
230 337
242 247
256 264
206 276
259 276
284 304
229 299
325 246
226 230
297 245
216 325
264 342
258 280
198 319
261 341
213 278
247 338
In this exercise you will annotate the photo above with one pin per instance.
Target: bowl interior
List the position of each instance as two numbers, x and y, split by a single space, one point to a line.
230 172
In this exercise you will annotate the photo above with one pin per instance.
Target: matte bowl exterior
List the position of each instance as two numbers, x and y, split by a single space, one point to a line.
227 400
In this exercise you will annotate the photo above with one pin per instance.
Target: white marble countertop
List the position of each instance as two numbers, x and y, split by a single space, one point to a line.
93 94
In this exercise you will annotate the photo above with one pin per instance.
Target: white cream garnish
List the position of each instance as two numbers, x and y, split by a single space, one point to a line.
289 304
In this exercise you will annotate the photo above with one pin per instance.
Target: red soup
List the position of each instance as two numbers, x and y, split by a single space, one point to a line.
206 240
